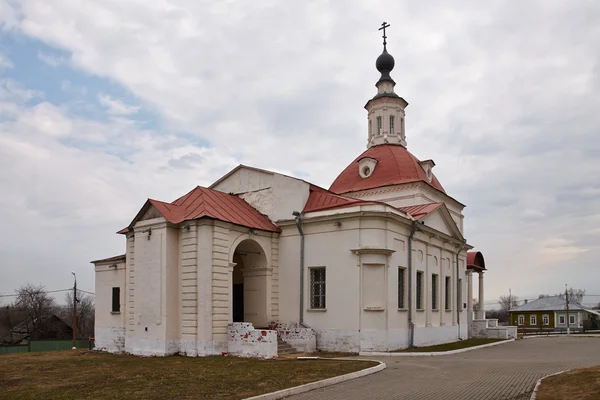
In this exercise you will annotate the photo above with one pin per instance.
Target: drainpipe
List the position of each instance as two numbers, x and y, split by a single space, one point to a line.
411 325
463 245
299 226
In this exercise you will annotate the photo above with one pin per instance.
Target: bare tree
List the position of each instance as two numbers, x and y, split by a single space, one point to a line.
36 305
475 305
508 302
85 313
574 295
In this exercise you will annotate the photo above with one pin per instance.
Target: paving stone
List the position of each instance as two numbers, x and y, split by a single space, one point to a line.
507 371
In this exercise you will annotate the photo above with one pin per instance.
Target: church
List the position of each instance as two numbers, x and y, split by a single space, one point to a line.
377 262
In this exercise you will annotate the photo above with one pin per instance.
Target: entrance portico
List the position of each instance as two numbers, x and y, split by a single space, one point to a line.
250 288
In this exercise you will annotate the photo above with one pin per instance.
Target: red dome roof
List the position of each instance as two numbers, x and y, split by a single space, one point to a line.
395 165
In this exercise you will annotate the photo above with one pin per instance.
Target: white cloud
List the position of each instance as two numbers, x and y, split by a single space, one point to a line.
506 108
115 106
50 59
5 62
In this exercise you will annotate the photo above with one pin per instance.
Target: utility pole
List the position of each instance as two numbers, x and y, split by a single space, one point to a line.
567 303
74 311
509 299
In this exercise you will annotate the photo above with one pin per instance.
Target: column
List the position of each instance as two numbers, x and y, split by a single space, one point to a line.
470 294
481 299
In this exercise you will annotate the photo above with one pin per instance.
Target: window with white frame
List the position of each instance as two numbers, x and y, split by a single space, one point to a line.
401 287
521 320
571 319
379 126
434 291
561 319
532 320
419 290
546 319
448 292
317 288
391 124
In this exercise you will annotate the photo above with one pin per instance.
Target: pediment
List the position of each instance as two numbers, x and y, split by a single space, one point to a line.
441 220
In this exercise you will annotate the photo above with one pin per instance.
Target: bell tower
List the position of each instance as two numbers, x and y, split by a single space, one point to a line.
386 108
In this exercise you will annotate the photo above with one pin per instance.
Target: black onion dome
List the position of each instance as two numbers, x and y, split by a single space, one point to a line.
385 62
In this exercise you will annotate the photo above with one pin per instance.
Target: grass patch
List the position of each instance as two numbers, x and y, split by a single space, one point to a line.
80 374
580 384
461 344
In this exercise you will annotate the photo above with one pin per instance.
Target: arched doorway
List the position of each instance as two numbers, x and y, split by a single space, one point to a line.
250 284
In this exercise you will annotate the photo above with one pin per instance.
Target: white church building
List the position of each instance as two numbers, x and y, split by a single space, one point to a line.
376 262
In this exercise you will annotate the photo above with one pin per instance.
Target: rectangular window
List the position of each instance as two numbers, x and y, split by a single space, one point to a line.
116 299
521 320
546 319
401 287
571 319
419 290
532 320
391 124
317 288
434 292
379 126
561 320
447 293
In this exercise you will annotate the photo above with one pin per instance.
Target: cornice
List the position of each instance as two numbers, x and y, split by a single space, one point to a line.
404 186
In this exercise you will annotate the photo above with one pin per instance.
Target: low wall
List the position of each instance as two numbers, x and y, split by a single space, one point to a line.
245 341
302 339
489 329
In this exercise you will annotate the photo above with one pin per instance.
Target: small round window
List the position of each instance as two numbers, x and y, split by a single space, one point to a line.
366 171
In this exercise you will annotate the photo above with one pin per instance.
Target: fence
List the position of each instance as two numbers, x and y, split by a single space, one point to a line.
46 345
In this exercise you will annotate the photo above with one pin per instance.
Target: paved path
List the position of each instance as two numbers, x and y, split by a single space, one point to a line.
507 371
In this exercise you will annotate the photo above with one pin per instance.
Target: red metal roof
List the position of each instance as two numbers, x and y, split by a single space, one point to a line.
202 202
395 165
321 199
421 210
475 260
120 257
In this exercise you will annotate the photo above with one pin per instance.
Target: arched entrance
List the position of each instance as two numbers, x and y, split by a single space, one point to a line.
250 284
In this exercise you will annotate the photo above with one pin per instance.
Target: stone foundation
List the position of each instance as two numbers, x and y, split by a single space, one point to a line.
111 339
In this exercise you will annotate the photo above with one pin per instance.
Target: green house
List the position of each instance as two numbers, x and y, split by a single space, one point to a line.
550 314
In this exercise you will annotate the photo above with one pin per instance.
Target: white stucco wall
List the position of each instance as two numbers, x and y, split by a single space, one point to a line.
155 326
109 326
362 290
274 195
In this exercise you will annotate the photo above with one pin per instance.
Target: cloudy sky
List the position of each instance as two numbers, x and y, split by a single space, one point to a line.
106 103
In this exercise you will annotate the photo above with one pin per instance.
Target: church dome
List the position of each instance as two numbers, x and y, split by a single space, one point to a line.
395 165
385 62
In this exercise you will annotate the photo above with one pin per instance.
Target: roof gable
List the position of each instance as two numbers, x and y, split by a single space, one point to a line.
439 218
203 202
